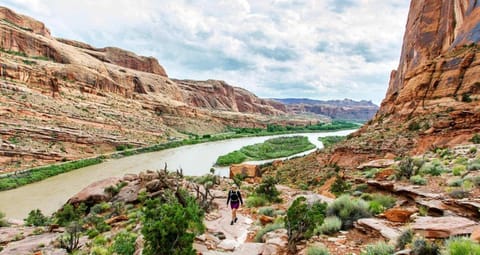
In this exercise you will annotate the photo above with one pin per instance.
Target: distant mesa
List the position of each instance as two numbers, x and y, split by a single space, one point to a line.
346 109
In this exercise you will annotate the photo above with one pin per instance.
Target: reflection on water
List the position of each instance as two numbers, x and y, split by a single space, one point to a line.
50 194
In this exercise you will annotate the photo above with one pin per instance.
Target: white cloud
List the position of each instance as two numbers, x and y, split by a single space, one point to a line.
296 48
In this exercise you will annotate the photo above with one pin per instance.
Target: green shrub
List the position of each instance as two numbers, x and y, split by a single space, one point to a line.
268 190
406 168
330 225
340 186
266 229
170 227
328 141
473 150
475 139
456 183
100 208
418 180
380 203
348 210
36 218
457 170
69 213
405 238
3 221
124 243
268 211
421 246
301 220
434 168
256 201
462 246
92 233
317 250
474 165
96 250
370 173
459 194
379 248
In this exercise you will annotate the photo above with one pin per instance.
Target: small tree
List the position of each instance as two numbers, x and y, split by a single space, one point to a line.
71 238
268 190
36 218
302 219
170 227
124 243
70 213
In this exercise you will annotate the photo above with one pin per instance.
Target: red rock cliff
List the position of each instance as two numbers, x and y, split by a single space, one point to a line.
433 96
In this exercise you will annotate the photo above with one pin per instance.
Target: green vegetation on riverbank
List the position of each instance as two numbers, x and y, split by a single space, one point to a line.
40 173
331 140
271 148
27 176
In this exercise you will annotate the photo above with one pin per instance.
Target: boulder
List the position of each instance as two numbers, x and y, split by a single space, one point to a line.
256 248
443 227
379 225
95 192
116 219
399 214
153 185
129 193
378 163
30 244
250 171
227 245
264 219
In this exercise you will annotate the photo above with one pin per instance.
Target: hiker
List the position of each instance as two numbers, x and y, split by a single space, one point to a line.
235 199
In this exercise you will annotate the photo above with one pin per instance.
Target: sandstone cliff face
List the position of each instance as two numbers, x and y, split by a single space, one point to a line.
227 98
63 99
433 96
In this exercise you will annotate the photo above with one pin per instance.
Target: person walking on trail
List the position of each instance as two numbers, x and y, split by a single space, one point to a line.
235 199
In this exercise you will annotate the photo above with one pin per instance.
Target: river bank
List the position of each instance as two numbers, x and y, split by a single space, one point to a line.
49 194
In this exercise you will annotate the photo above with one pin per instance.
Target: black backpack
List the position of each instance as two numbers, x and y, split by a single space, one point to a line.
233 196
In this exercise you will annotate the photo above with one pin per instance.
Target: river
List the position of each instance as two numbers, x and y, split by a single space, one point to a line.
50 194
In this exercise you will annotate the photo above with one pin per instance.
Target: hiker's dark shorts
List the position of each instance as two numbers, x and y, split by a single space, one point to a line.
235 205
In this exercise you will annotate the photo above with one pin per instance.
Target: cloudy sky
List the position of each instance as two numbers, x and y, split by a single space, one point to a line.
320 49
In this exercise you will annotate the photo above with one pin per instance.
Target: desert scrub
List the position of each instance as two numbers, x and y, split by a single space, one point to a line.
379 248
348 209
330 225
268 211
378 203
475 139
271 148
457 170
317 250
266 229
418 180
370 173
434 168
124 243
422 246
405 238
255 201
340 186
462 246
474 165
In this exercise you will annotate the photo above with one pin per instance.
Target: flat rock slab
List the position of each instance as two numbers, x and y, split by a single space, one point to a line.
381 226
417 191
95 192
31 244
443 227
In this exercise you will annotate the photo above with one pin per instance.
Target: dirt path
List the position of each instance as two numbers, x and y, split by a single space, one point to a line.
235 234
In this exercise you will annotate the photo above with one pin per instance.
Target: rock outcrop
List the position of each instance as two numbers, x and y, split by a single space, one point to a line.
432 99
73 100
